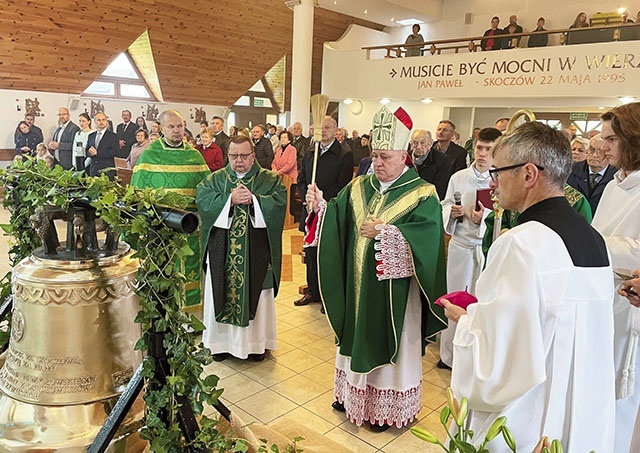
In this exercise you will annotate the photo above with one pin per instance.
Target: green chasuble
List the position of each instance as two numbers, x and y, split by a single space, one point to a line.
510 219
177 170
367 315
243 260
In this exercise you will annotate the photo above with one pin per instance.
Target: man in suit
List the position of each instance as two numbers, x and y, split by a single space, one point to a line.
103 146
432 166
334 171
262 146
126 132
299 142
457 154
592 175
62 142
219 137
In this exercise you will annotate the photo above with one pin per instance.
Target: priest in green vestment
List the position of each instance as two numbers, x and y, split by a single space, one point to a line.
242 207
171 164
380 248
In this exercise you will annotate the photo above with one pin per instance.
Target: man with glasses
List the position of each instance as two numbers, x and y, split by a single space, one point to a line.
62 141
592 175
537 348
242 208
510 218
432 166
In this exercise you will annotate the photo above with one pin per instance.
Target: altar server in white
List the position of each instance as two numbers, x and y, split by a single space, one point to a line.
464 221
538 345
618 220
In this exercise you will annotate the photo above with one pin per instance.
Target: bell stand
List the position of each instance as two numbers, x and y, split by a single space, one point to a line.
184 222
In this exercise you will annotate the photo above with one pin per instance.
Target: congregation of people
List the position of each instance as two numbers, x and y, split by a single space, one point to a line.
552 341
495 37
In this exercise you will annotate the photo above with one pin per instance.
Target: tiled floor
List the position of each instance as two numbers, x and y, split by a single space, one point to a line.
296 380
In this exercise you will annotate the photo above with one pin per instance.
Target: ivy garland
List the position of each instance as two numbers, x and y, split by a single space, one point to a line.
32 184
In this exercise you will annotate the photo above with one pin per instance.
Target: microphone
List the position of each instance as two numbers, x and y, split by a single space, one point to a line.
457 198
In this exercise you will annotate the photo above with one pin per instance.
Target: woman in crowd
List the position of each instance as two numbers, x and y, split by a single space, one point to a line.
414 38
141 123
581 21
579 148
142 141
233 131
26 139
618 221
155 128
80 141
285 158
211 152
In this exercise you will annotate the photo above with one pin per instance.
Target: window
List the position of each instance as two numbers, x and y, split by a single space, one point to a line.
121 80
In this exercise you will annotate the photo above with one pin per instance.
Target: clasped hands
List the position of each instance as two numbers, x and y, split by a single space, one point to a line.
241 195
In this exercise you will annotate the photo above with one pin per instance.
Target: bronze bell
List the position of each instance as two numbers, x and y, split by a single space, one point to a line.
71 350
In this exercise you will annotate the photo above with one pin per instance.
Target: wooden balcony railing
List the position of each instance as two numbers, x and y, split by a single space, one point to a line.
600 33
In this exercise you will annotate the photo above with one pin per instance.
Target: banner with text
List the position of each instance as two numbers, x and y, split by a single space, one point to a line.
590 70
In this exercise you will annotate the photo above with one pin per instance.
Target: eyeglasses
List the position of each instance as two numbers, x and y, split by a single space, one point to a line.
592 151
239 156
494 171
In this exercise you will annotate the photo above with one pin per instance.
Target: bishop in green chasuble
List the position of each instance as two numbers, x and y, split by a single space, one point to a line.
381 266
177 169
243 247
367 314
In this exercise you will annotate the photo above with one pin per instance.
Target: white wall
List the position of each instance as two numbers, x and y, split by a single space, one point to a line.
556 15
50 102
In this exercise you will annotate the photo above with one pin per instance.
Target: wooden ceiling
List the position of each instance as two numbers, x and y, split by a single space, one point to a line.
206 52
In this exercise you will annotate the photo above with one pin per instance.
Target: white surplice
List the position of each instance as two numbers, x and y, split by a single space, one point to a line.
538 345
389 394
617 219
465 258
260 334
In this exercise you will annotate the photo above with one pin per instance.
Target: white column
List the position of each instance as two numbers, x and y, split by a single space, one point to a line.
301 63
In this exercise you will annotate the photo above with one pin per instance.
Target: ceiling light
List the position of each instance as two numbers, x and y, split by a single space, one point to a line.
385 101
410 21
348 101
426 100
626 99
366 11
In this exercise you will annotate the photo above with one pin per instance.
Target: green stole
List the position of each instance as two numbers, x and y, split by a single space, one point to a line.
510 218
179 170
239 287
367 315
